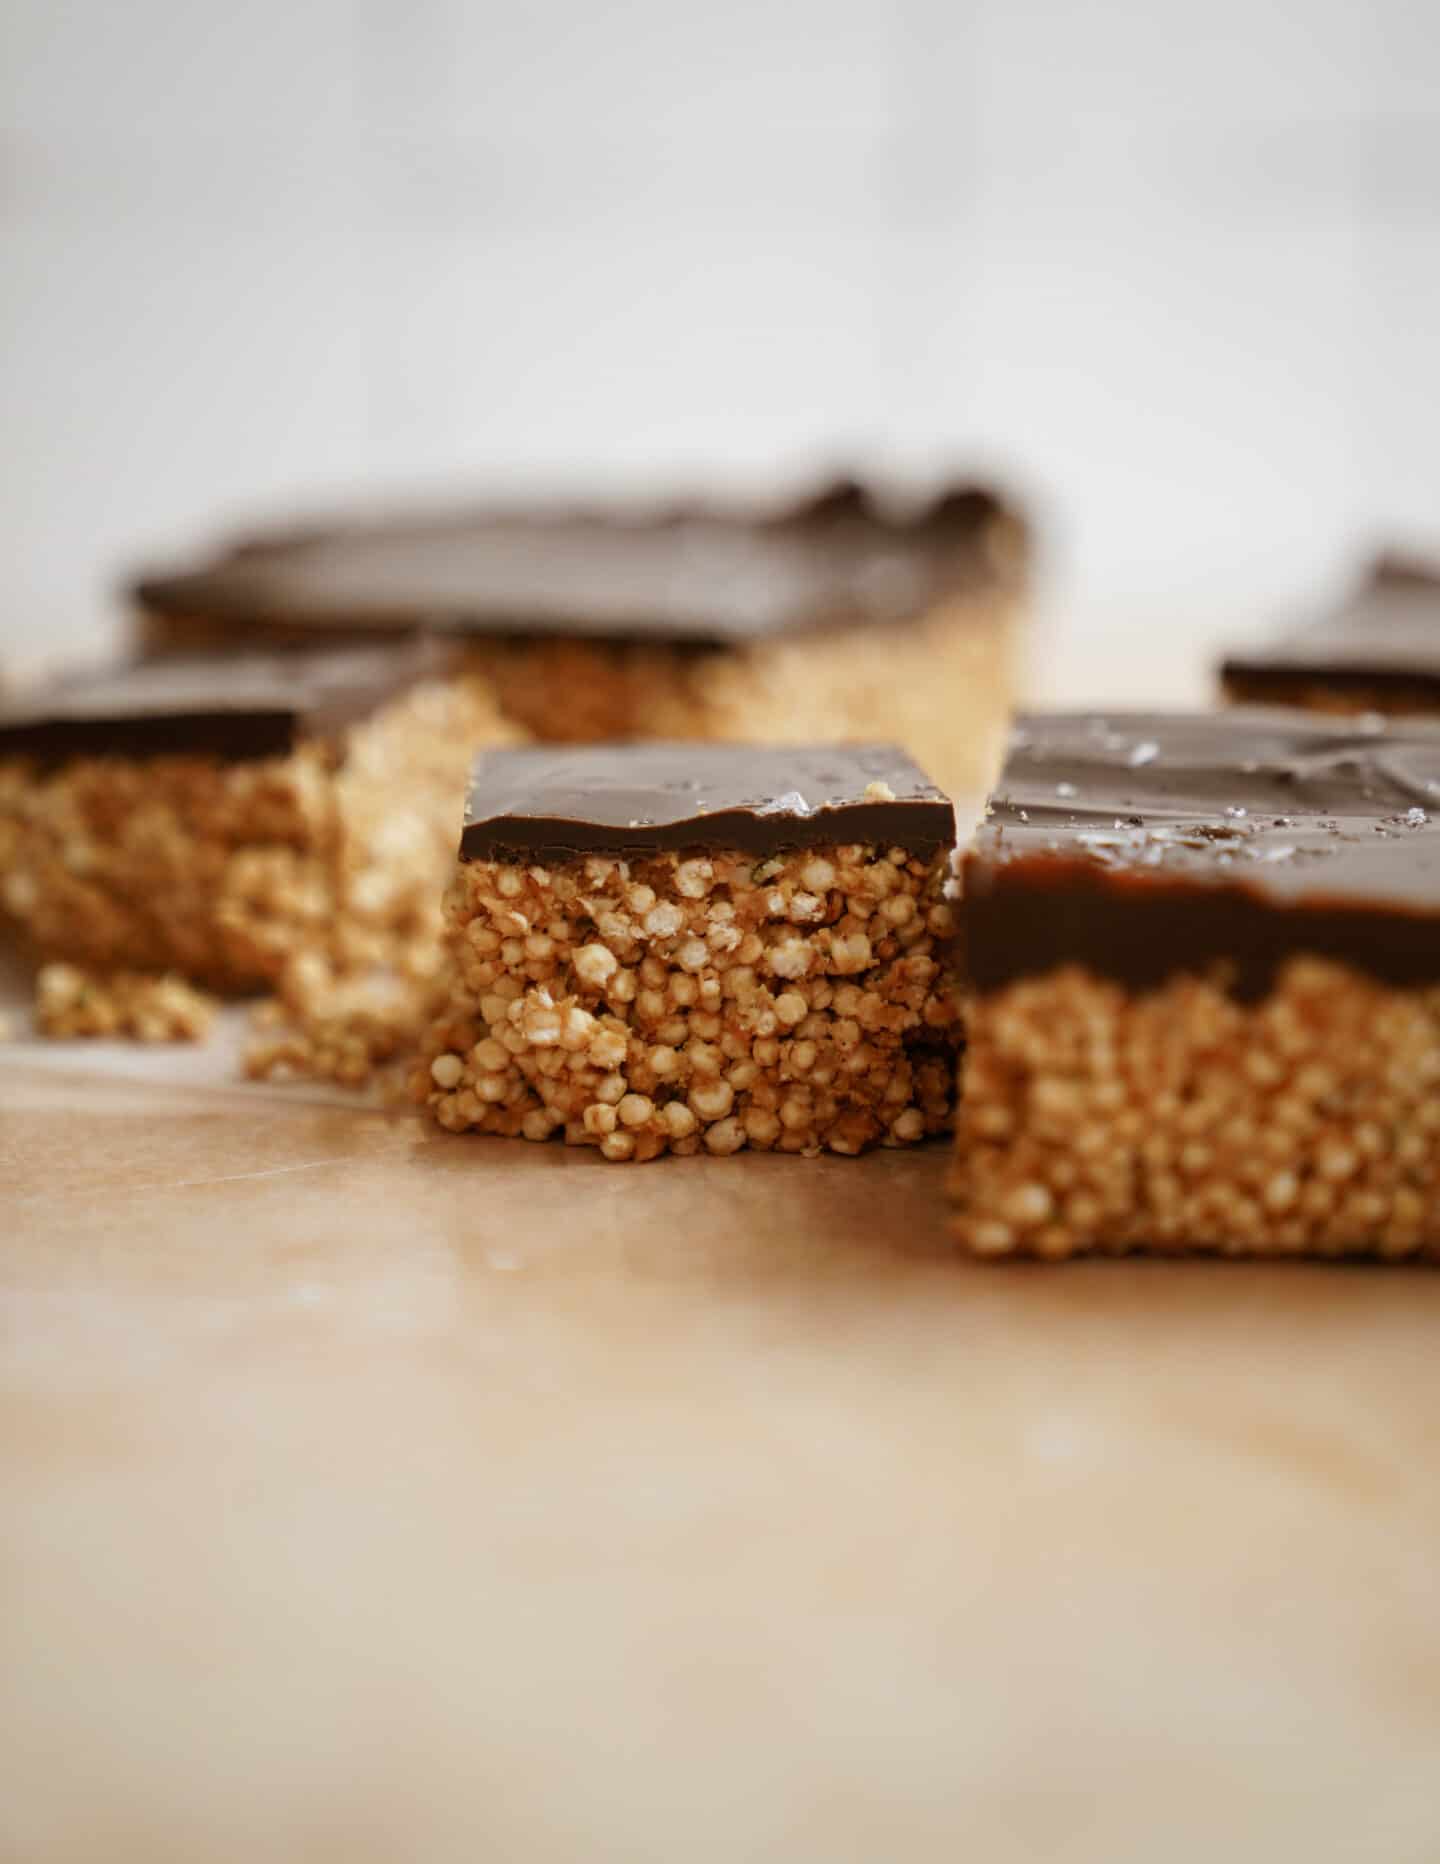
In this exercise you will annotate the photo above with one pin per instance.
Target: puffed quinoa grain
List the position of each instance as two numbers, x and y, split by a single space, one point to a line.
724 1137
636 1110
678 1120
595 965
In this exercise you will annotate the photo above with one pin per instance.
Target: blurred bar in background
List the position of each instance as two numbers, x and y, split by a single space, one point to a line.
856 613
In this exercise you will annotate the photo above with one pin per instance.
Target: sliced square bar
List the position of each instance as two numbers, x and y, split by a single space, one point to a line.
1378 651
1204 990
221 817
659 948
848 616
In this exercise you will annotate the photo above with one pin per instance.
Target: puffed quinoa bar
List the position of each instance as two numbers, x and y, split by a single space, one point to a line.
228 866
1204 995
1376 652
791 994
845 618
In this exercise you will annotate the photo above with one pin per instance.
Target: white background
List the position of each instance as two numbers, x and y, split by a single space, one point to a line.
1171 269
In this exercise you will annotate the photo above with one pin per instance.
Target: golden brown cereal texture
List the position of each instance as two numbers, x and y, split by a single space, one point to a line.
174 863
676 1003
318 879
71 1003
1305 1124
357 1000
940 686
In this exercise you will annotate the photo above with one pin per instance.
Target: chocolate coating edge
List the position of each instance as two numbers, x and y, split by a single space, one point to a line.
227 736
1353 689
1034 916
922 826
1143 845
53 726
235 590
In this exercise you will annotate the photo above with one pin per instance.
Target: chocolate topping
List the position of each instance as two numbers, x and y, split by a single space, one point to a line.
233 708
683 575
1382 645
1139 845
552 804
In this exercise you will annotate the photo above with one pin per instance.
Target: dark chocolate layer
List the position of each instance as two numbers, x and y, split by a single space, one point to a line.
1381 646
233 708
686 574
1140 845
550 804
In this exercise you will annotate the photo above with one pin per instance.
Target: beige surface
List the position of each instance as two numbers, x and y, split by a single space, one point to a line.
371 1494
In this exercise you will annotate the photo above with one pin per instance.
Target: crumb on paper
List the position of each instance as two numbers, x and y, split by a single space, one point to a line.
72 1003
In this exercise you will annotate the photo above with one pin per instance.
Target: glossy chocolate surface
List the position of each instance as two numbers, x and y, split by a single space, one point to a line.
552 803
1139 845
230 707
1382 645
685 574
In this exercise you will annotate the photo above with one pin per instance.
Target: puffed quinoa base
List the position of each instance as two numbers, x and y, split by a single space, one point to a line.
1307 1123
673 1003
175 863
